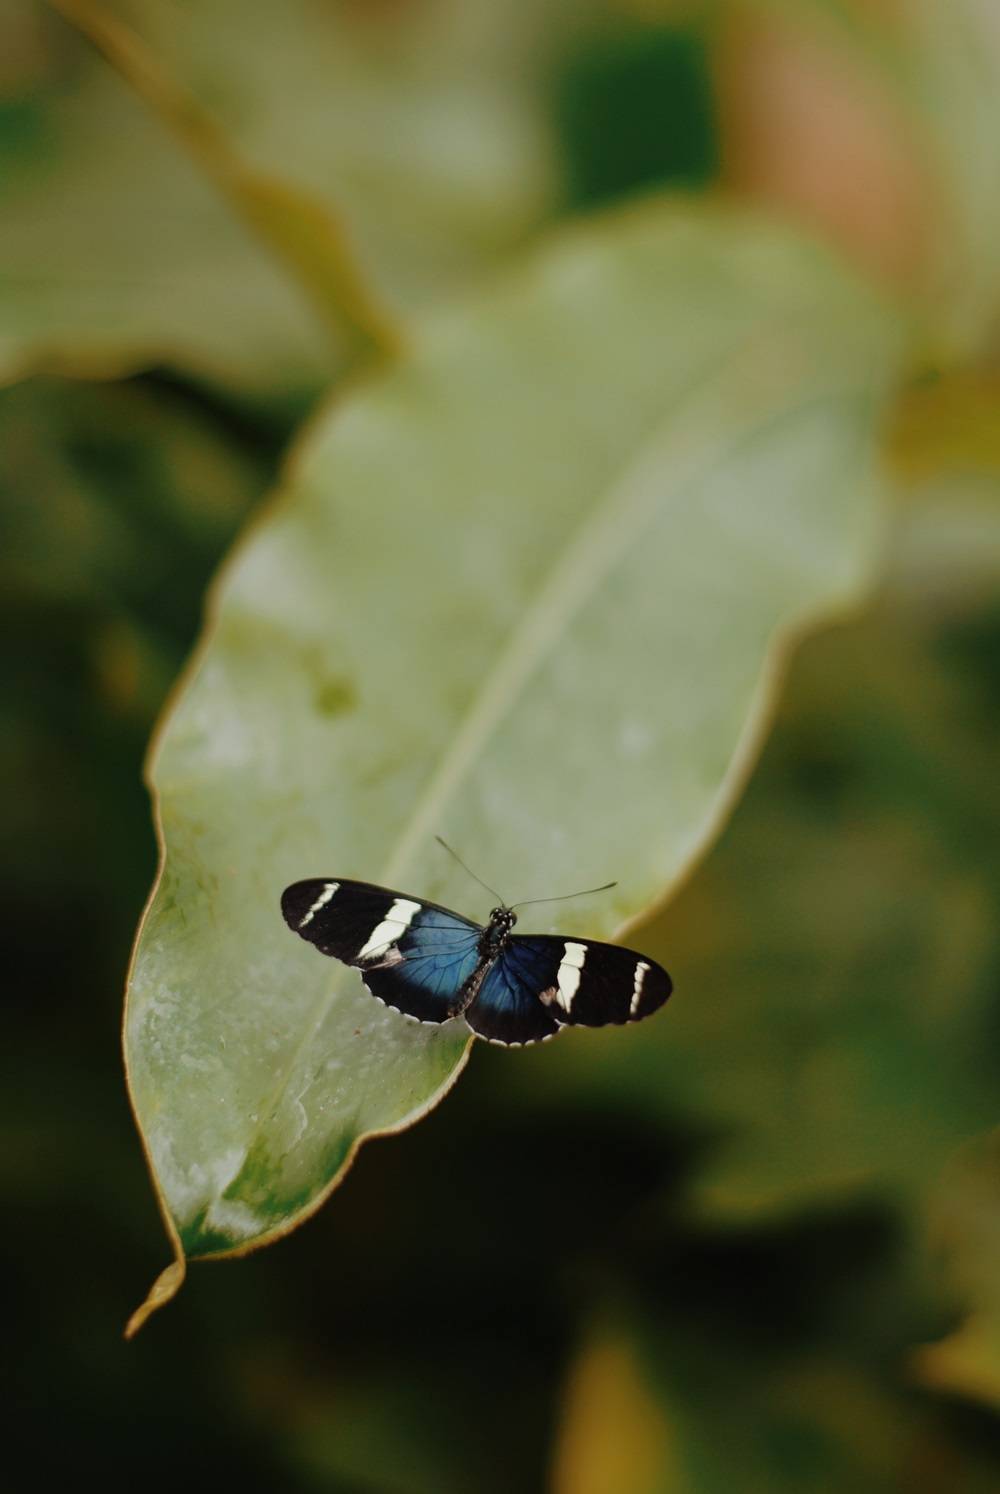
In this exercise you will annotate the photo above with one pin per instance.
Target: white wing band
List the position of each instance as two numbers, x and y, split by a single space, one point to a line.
393 926
321 902
640 976
568 976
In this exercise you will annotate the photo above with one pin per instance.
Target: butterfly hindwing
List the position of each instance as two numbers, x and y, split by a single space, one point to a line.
413 955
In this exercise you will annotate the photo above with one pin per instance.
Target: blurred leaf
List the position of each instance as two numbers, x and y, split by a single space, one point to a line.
523 592
805 1423
938 62
299 229
967 1226
946 547
951 66
614 1437
424 126
646 1412
948 423
116 253
424 123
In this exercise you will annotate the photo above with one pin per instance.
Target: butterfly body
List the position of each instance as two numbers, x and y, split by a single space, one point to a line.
433 964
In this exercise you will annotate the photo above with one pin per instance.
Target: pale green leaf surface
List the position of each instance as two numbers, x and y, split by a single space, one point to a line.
523 592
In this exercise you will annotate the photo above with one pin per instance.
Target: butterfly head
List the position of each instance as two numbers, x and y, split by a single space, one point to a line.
502 920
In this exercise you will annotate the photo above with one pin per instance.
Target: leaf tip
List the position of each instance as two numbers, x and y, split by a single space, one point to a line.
166 1286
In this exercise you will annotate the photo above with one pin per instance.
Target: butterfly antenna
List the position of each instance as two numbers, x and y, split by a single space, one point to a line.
491 890
565 897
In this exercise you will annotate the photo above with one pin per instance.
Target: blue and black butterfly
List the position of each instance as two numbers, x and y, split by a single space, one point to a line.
432 964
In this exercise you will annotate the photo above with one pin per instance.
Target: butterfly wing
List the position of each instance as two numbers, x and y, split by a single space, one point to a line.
543 982
413 955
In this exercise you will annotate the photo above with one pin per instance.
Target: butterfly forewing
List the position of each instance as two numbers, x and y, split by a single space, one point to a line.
428 966
412 955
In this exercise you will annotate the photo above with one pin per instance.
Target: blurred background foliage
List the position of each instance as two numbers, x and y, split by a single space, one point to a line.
751 1247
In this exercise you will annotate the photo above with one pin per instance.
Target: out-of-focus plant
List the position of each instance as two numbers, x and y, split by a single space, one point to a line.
533 578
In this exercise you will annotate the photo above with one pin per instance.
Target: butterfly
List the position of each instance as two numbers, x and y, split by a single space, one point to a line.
433 964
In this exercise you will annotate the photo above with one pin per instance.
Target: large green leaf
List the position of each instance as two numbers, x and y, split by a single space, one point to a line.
526 592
